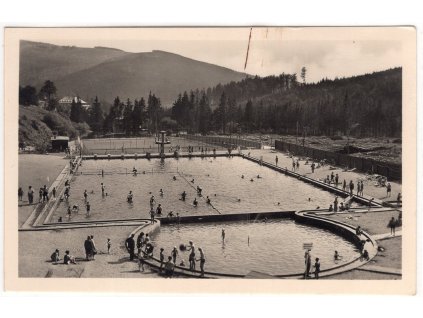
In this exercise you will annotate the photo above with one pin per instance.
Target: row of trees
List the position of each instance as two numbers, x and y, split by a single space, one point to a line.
368 105
130 117
28 95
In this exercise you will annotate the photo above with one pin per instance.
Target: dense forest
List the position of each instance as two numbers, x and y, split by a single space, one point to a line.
369 105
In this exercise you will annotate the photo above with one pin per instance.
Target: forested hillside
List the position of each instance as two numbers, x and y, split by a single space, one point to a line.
366 105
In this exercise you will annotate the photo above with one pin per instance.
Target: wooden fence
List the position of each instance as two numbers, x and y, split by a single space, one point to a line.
391 171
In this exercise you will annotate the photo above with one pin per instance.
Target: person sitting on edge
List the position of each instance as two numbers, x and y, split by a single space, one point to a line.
169 267
330 208
358 230
170 214
68 259
55 256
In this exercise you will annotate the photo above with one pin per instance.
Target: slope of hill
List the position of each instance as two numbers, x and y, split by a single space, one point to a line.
107 73
42 61
36 126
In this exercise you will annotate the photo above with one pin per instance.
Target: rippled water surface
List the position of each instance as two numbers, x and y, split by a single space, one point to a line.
275 247
220 179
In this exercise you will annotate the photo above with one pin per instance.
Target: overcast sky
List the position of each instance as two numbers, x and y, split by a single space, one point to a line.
325 52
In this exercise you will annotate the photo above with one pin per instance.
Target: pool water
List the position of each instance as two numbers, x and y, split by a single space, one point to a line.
275 247
220 178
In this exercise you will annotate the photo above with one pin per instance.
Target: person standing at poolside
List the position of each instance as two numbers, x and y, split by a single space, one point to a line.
174 254
140 242
93 246
30 195
307 263
152 202
202 261
85 195
223 235
317 268
344 185
152 216
88 248
351 188
336 179
335 204
276 160
102 189
191 248
392 224
161 259
88 207
20 194
45 193
109 246
130 246
388 189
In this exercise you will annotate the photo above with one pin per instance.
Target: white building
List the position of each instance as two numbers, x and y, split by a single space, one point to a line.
67 102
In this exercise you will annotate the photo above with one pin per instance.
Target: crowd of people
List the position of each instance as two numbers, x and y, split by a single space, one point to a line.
145 250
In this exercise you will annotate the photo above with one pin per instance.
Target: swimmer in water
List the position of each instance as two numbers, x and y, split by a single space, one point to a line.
336 256
239 200
174 178
192 181
134 171
251 180
258 176
242 177
161 192
129 197
208 200
183 195
195 202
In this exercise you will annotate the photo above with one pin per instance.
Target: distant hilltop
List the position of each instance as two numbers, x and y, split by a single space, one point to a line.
108 72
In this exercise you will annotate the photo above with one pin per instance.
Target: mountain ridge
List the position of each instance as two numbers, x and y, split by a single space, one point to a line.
108 72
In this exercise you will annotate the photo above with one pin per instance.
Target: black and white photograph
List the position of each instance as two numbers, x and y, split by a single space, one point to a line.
234 153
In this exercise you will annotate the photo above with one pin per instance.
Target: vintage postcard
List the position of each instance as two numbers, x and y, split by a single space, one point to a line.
218 160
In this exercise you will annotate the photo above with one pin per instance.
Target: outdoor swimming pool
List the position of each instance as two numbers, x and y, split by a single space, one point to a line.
276 247
220 179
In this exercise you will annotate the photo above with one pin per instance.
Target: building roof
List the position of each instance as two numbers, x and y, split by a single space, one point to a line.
60 138
69 99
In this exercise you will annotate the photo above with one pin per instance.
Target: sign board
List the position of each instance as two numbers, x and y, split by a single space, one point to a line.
307 246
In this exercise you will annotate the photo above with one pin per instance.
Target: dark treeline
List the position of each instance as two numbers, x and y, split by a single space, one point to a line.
131 118
367 105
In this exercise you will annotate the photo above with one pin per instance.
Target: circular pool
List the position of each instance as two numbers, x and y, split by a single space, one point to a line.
274 248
